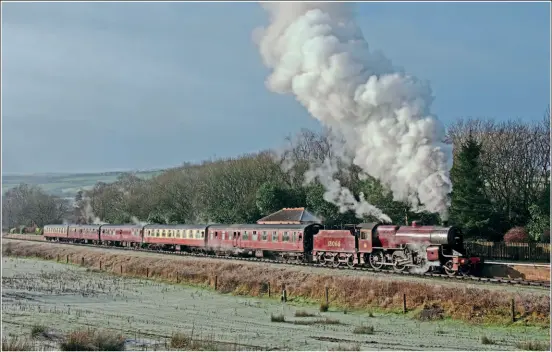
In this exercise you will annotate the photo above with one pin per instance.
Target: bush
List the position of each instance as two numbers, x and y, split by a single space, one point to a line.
364 330
37 330
545 238
180 341
92 340
324 307
516 235
533 346
277 318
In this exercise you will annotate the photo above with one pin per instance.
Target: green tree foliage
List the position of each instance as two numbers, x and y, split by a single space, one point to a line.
272 197
470 208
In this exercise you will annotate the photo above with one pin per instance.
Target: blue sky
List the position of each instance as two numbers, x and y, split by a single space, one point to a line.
124 86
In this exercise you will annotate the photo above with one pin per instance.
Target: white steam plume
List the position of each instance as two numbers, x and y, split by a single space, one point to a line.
317 52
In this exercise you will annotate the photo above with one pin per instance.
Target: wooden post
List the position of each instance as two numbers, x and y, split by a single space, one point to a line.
216 279
82 261
284 293
100 265
121 269
57 258
67 258
177 278
404 303
513 311
327 298
269 289
147 274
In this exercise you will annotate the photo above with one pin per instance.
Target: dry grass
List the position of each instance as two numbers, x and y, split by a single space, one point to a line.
93 340
364 330
486 341
303 313
533 346
475 305
328 321
16 344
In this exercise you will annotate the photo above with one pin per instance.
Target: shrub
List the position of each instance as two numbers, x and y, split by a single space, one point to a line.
180 341
324 307
545 238
364 330
277 318
516 235
92 340
38 330
486 341
533 346
304 313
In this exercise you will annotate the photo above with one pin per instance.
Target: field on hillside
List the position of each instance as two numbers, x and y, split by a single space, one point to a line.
67 185
48 300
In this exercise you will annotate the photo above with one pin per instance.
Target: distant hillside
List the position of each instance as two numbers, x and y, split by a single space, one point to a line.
67 185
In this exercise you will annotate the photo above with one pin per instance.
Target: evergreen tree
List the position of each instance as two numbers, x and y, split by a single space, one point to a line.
470 208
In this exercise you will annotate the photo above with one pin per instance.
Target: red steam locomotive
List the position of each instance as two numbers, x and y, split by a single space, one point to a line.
415 248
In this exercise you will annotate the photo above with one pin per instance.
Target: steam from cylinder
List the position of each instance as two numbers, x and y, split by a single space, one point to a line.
317 52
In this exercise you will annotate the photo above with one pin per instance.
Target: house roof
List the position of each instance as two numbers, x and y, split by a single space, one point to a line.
290 216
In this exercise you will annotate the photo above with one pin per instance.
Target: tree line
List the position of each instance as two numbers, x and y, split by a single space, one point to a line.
500 176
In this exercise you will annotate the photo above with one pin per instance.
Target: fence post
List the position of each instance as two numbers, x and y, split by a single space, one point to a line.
513 311
67 258
269 289
284 293
58 258
177 278
82 261
216 279
327 298
121 268
404 303
100 265
147 274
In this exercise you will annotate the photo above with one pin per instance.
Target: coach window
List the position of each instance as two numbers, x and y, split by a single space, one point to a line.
264 237
245 236
202 234
274 236
294 237
286 237
255 236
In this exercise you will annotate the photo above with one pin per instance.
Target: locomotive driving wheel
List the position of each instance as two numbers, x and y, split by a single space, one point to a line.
376 260
350 262
397 267
448 268
335 262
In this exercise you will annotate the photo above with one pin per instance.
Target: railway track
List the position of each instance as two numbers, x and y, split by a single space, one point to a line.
429 275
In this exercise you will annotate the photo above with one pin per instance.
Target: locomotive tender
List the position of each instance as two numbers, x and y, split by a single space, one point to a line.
415 248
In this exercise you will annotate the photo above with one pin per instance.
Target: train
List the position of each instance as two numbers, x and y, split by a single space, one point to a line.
415 248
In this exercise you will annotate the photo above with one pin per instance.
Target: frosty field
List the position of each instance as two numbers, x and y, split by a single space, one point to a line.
66 297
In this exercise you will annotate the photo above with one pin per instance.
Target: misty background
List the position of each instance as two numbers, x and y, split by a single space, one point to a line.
118 86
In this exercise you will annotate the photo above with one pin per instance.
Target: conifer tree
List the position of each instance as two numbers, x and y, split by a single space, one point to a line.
470 208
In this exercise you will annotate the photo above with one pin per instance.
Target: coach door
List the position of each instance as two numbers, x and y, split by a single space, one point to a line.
236 238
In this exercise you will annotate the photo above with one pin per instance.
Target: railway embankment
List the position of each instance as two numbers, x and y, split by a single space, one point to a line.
424 299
